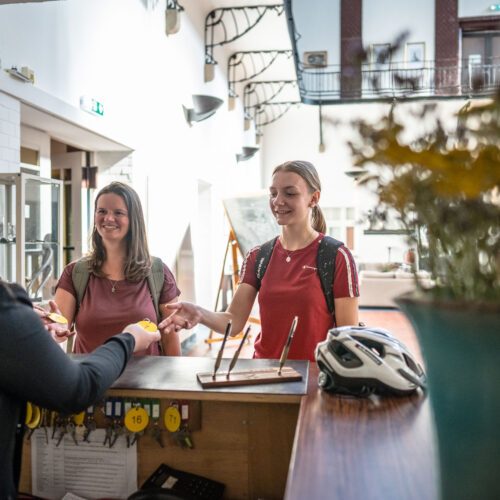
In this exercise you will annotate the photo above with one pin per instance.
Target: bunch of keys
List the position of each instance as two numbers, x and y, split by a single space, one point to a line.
155 430
177 424
65 425
113 412
136 420
89 423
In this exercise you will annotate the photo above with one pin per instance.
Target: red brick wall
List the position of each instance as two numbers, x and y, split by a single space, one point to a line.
447 36
351 44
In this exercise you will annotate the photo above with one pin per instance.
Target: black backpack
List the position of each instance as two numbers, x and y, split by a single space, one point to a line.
325 262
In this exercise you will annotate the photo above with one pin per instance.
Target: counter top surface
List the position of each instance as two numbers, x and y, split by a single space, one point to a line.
178 374
362 448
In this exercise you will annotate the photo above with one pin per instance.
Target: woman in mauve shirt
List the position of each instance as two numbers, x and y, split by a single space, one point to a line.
291 285
117 292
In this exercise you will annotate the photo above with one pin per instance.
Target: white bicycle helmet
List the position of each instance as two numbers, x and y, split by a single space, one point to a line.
362 360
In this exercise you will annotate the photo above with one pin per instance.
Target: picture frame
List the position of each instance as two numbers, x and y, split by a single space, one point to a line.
415 53
377 53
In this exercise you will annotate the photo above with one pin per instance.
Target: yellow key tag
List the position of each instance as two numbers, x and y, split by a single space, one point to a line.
79 418
29 413
57 318
148 325
172 419
136 419
36 416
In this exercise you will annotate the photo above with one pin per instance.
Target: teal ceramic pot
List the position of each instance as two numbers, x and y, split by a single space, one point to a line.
461 348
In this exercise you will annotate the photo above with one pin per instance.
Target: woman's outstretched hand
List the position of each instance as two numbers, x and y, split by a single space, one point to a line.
185 315
59 330
143 338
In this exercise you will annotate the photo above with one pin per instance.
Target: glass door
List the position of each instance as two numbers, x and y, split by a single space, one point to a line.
30 221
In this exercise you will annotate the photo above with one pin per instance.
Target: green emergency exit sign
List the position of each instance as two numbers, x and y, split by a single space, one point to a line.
92 105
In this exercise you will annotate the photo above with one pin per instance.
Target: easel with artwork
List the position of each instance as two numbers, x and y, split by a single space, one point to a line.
251 223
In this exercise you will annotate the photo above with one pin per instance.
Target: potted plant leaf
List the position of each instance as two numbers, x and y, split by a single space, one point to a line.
445 188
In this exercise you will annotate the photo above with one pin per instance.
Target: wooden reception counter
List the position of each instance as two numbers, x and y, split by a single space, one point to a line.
288 440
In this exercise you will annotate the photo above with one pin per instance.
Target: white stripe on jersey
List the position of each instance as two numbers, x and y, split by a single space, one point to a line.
349 270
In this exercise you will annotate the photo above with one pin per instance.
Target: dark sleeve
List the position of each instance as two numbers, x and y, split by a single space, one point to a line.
33 367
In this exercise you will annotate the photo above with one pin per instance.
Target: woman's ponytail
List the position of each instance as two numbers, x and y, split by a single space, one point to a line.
318 220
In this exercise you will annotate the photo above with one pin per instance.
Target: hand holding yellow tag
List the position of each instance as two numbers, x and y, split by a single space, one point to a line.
57 318
148 325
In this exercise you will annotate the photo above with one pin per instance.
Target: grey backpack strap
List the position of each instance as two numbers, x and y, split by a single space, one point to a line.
263 258
80 276
155 283
327 253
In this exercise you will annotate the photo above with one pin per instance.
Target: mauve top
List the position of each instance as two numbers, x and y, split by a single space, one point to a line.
104 313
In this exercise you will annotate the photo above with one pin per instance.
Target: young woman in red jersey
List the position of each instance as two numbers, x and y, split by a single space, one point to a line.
291 285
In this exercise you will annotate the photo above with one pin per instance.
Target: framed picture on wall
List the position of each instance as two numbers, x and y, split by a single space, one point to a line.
380 53
415 53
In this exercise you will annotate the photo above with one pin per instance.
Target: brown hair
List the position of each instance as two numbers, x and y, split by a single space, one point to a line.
137 258
310 175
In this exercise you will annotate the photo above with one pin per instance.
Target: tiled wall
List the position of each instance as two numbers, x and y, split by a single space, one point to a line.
10 138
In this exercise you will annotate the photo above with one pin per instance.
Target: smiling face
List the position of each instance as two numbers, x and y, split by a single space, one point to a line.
290 199
111 217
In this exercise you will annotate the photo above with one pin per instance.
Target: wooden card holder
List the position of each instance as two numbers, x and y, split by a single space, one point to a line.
249 377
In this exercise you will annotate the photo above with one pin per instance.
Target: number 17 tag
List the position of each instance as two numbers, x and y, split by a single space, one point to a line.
172 418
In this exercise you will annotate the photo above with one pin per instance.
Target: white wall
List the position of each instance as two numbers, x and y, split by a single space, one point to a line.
320 25
405 15
117 52
10 133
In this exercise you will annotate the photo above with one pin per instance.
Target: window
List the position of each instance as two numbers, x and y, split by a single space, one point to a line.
340 224
480 59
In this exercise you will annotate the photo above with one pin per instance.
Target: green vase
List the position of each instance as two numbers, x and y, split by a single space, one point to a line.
461 348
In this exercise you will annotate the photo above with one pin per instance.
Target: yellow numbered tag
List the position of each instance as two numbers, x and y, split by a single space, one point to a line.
148 325
79 418
36 416
57 318
172 419
136 419
29 413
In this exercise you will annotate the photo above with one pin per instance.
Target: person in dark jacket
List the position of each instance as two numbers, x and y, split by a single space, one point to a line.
34 368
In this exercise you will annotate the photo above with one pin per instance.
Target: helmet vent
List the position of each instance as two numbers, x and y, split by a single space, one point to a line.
344 355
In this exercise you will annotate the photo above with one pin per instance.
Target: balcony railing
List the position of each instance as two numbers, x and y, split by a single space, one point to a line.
397 80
